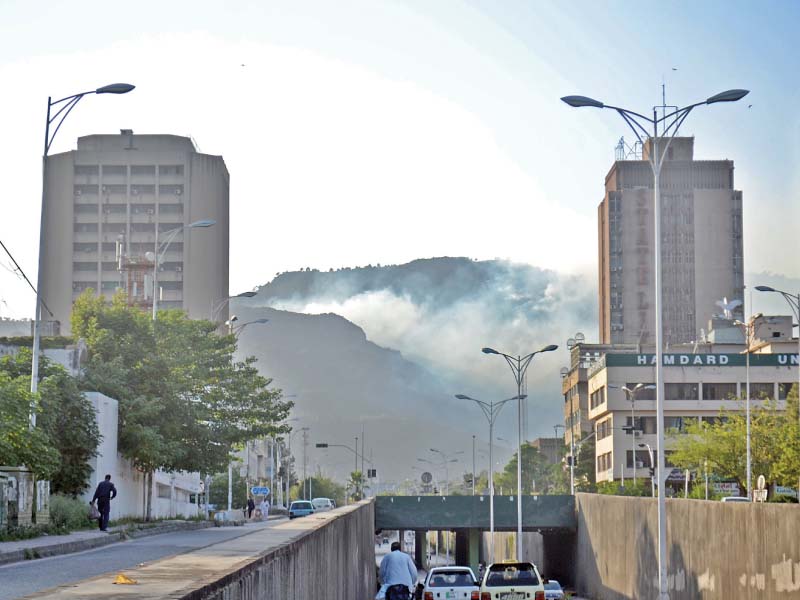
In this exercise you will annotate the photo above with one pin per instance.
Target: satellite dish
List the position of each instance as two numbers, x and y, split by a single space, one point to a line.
427 477
564 371
728 307
150 256
579 338
761 482
570 343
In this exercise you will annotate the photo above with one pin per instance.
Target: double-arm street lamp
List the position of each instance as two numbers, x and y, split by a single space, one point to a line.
519 367
161 250
491 410
57 112
794 303
653 129
221 304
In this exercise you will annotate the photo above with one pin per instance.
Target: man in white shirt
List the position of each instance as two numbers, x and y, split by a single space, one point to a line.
399 573
264 506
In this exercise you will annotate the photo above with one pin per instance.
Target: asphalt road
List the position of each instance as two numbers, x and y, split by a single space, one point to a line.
21 579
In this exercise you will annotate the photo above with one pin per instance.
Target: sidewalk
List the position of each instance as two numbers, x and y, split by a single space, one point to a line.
78 541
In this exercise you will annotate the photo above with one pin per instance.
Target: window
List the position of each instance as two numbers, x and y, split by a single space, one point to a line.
172 266
171 285
80 190
143 209
604 462
139 189
86 170
783 390
109 266
642 459
115 189
143 169
604 429
143 227
169 226
84 247
109 286
113 227
597 398
84 266
681 391
166 209
170 170
644 393
679 424
511 574
86 209
715 420
175 189
115 170
109 247
758 391
85 227
719 391
82 286
115 209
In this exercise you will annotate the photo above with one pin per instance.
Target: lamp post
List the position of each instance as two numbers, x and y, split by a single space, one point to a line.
65 107
490 410
794 303
356 456
653 471
219 305
519 367
289 452
473 465
748 338
159 253
649 127
630 394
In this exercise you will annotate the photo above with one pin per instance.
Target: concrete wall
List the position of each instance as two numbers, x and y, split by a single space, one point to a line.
334 561
715 550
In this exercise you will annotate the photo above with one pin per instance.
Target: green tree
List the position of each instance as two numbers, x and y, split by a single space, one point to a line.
356 485
219 490
535 470
585 474
184 402
321 487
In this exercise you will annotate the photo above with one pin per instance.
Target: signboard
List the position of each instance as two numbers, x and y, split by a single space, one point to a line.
729 488
702 360
427 477
259 491
678 475
781 490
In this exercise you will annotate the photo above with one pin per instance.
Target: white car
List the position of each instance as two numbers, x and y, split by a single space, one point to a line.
553 590
735 499
449 583
512 580
323 504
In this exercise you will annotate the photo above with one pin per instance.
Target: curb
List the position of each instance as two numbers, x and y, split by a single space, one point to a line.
35 552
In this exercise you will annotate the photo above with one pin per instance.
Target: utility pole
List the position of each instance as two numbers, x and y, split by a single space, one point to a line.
305 460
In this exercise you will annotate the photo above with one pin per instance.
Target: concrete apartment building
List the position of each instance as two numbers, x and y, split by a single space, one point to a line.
700 380
701 246
104 202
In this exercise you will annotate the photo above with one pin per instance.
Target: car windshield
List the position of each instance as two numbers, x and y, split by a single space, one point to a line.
321 502
511 574
301 505
451 579
552 585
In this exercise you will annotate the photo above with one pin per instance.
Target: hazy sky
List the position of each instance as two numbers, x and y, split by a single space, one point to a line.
377 132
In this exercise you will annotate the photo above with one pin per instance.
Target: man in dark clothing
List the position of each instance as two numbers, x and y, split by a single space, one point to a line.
104 493
251 506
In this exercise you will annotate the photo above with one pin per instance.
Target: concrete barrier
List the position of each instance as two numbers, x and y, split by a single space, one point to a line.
715 550
328 556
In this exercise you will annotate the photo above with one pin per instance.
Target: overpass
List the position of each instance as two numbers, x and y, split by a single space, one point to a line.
468 516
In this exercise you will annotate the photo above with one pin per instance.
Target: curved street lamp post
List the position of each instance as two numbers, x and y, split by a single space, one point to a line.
669 124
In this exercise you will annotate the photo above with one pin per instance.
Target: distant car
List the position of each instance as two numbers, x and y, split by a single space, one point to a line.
512 580
323 504
553 590
449 583
735 499
301 508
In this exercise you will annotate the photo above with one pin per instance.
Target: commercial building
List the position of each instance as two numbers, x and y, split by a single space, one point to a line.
700 381
701 246
106 205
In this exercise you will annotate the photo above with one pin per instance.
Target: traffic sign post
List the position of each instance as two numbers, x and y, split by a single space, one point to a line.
259 491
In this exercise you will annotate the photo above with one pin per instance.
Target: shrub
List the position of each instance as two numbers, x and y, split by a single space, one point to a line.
68 513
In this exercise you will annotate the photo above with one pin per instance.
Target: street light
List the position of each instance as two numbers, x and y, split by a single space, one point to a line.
794 304
68 103
491 410
748 338
630 394
519 367
356 457
641 125
159 253
652 472
219 305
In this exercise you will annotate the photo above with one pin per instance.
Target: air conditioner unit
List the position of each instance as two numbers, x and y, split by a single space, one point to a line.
179 269
639 464
178 192
637 433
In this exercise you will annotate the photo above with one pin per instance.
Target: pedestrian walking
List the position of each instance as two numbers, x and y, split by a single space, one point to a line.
104 494
264 507
251 506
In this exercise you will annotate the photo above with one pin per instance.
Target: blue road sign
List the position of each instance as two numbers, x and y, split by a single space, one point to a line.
259 491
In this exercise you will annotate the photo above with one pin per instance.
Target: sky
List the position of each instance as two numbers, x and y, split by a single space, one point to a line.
361 132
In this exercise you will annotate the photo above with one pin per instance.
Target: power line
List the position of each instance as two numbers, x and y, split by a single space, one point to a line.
21 272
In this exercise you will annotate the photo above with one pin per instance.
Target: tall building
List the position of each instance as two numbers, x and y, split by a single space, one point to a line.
104 204
701 216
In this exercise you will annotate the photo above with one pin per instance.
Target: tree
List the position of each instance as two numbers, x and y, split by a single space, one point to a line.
585 474
356 485
321 487
184 403
535 471
218 495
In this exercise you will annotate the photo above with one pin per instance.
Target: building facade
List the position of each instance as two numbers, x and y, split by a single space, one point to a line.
701 248
699 383
109 201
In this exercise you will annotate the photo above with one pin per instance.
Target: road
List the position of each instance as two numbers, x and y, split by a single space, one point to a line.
21 579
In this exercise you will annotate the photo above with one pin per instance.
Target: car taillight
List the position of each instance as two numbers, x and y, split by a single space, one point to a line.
486 596
428 595
538 596
475 595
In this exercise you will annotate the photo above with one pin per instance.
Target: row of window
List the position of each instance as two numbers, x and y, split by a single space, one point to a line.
114 266
90 208
81 286
93 189
604 462
123 169
120 227
135 247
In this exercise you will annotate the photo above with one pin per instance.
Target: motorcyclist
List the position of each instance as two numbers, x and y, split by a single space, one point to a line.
399 573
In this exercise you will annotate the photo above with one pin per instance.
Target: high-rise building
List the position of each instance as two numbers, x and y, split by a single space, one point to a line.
109 201
701 248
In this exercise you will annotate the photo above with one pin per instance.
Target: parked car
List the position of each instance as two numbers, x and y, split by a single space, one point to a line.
323 504
736 499
301 508
512 580
553 590
449 583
